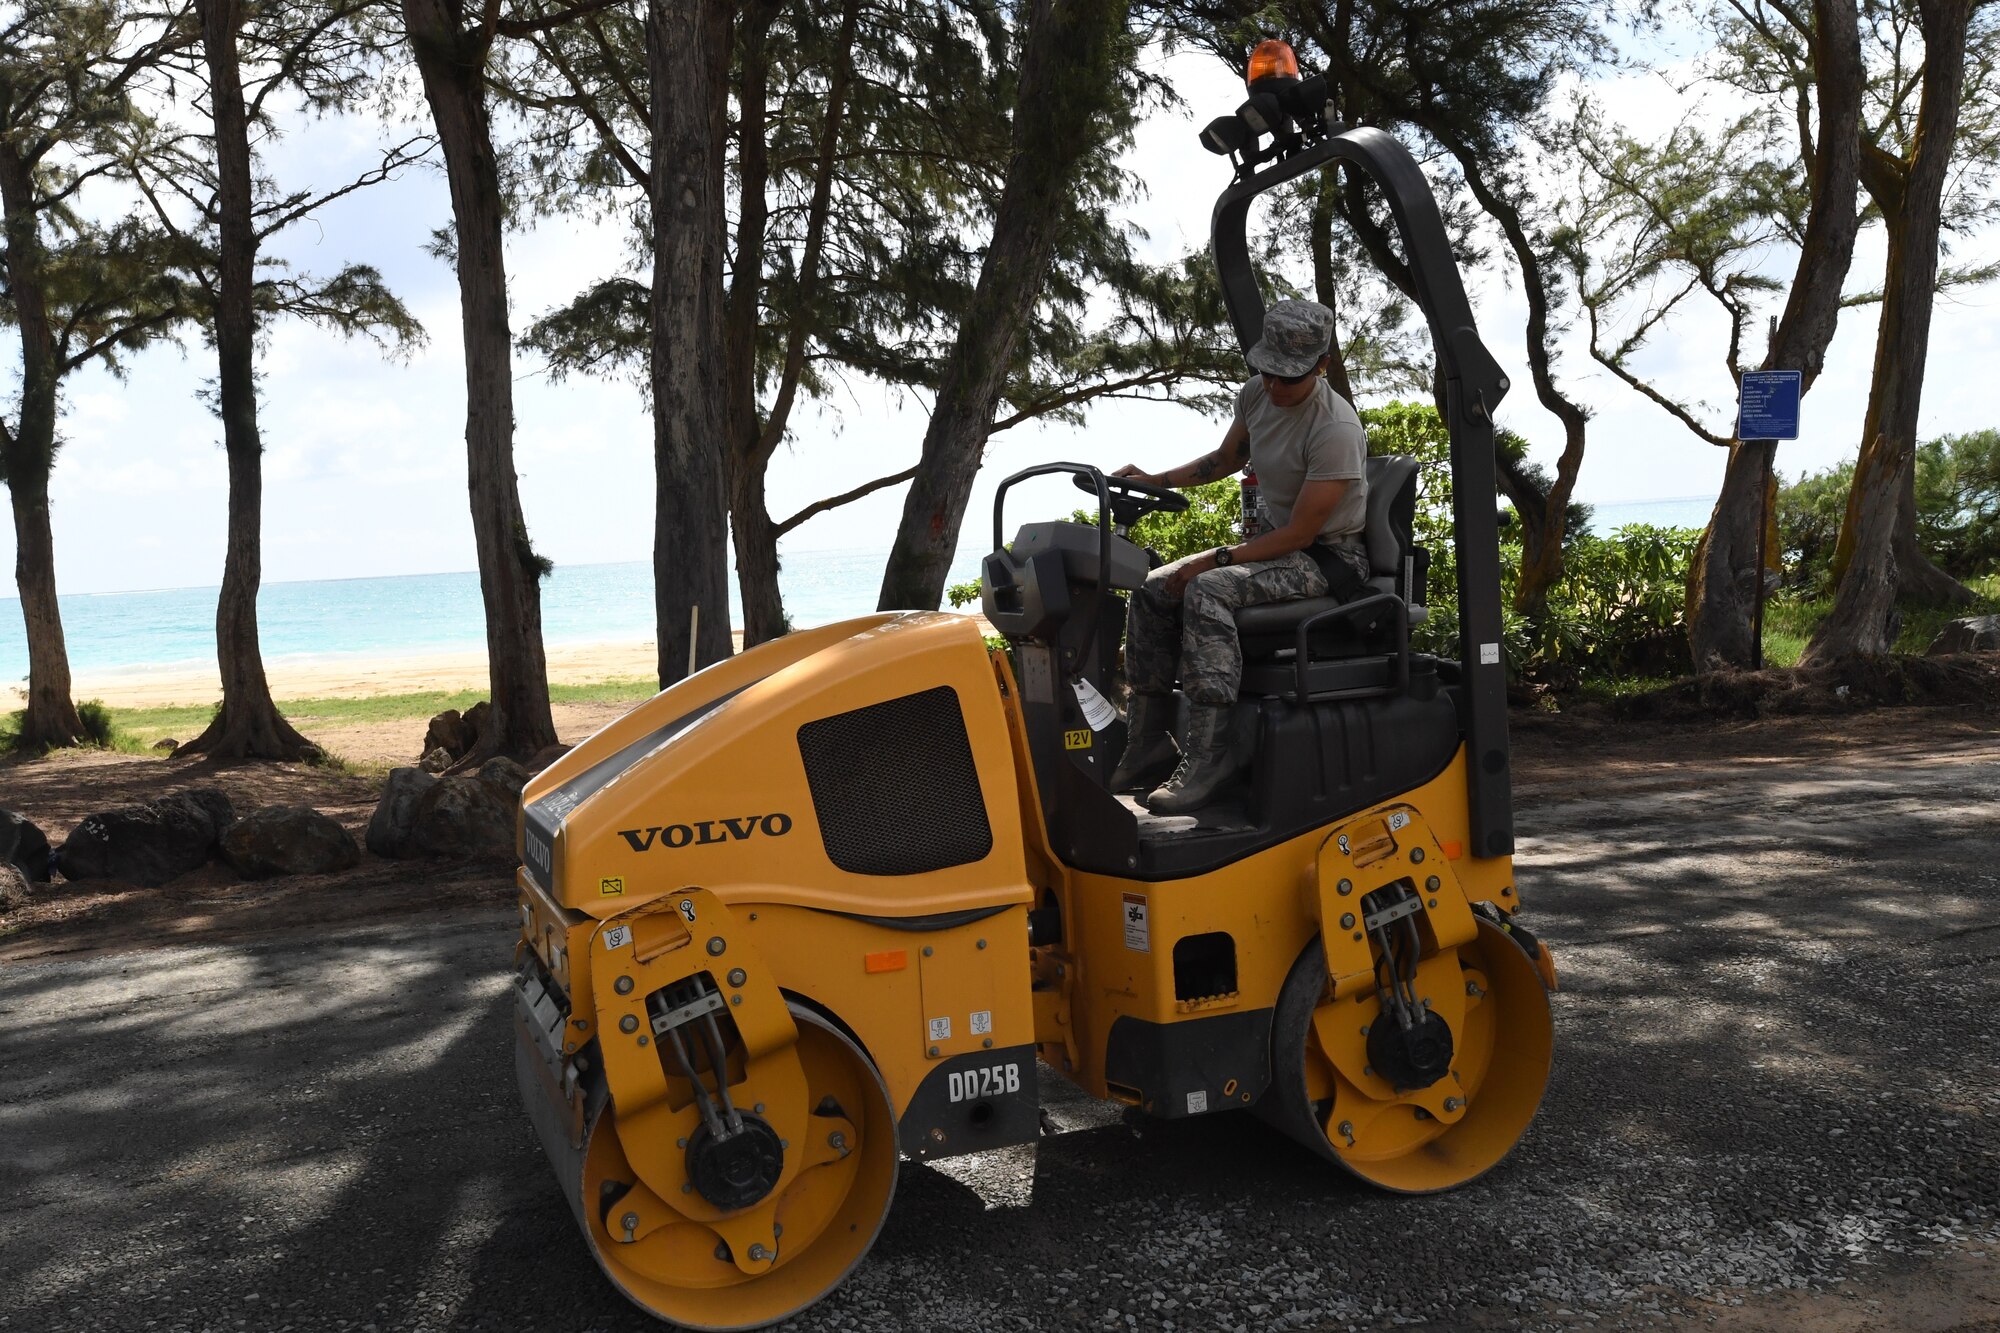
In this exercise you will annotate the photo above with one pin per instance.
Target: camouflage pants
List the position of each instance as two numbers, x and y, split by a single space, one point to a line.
1195 636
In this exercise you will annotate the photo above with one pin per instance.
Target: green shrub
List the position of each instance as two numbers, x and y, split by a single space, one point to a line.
1958 502
1809 515
96 720
1958 513
99 729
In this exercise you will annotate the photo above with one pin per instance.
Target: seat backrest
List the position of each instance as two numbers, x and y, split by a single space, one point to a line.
1392 510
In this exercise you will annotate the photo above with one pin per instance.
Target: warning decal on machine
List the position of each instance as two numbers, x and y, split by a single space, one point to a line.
1136 934
617 937
1197 1102
940 1029
1097 710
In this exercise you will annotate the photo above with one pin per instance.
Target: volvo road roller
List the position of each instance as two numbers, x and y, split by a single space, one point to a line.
845 899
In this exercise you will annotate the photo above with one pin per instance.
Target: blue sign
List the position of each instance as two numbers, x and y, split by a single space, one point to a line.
1767 406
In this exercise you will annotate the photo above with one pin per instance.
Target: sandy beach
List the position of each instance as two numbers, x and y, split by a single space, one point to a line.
343 676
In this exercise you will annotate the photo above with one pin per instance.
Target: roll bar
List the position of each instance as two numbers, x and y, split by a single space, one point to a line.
1473 385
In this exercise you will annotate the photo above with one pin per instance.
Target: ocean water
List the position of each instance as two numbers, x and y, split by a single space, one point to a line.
420 613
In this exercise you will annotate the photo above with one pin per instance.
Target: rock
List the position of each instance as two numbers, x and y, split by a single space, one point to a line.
547 755
475 718
166 745
148 844
436 760
24 846
395 814
504 775
1969 634
288 840
449 733
13 888
463 817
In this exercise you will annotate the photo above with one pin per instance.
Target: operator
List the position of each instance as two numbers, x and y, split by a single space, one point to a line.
1306 445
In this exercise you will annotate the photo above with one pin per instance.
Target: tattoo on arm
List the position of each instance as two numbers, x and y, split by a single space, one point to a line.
1206 468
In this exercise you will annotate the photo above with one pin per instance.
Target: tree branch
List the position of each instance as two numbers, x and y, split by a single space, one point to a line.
818 507
530 27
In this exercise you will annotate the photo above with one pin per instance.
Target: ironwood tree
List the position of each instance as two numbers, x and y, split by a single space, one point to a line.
453 42
1878 536
250 53
687 48
868 153
1075 99
1699 215
77 290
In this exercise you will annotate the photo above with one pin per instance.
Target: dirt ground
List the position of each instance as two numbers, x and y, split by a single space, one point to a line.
384 745
1777 940
212 904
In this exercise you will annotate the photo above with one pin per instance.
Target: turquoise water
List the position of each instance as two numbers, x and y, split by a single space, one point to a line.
418 613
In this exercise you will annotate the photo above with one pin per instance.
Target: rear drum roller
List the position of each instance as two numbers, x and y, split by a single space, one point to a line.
1482 1084
829 1215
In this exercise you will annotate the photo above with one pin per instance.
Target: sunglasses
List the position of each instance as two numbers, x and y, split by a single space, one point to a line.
1289 381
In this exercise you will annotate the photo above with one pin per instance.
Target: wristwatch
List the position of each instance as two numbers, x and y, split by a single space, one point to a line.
1222 556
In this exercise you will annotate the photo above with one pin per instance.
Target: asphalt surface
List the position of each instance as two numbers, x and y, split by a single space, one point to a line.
1775 1068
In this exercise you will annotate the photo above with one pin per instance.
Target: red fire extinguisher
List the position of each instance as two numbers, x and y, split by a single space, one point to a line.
1255 522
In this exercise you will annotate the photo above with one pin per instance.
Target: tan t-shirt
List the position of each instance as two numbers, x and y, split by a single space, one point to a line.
1319 440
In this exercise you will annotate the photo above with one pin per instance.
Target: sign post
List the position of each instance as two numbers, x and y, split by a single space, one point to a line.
1767 410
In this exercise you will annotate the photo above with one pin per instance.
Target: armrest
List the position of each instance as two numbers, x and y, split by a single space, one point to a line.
1351 611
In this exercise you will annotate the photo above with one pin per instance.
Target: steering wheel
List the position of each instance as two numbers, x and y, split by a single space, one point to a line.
1131 499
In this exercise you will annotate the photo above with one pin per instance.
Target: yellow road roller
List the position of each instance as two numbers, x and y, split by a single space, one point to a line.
847 898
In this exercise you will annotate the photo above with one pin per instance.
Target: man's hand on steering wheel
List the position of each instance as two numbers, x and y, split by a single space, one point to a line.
1132 471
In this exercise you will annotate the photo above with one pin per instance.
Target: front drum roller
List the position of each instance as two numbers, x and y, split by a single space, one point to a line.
1326 1095
826 1218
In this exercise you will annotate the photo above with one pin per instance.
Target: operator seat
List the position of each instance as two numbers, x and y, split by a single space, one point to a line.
1349 655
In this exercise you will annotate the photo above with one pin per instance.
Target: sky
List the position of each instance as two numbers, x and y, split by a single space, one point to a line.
364 469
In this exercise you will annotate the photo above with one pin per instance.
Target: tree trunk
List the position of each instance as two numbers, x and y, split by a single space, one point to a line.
249 725
1862 620
1722 582
27 455
51 718
750 520
687 54
452 62
1069 77
1919 581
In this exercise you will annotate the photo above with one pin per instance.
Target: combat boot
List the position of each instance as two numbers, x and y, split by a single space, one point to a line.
1149 742
1204 766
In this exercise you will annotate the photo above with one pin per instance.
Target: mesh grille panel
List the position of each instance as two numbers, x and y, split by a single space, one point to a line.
894 786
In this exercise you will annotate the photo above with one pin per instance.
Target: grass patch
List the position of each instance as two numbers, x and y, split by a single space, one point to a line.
1789 624
1605 689
184 722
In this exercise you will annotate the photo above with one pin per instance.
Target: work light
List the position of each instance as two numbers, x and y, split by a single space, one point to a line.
1281 105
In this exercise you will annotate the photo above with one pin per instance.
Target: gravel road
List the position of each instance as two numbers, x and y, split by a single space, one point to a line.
1775 1069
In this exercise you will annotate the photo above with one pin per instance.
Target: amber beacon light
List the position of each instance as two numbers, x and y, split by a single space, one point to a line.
1272 59
1288 110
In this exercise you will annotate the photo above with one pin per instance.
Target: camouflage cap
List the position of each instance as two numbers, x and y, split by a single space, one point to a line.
1296 335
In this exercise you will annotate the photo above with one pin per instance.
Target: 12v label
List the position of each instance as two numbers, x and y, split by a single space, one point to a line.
987 1081
1077 740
